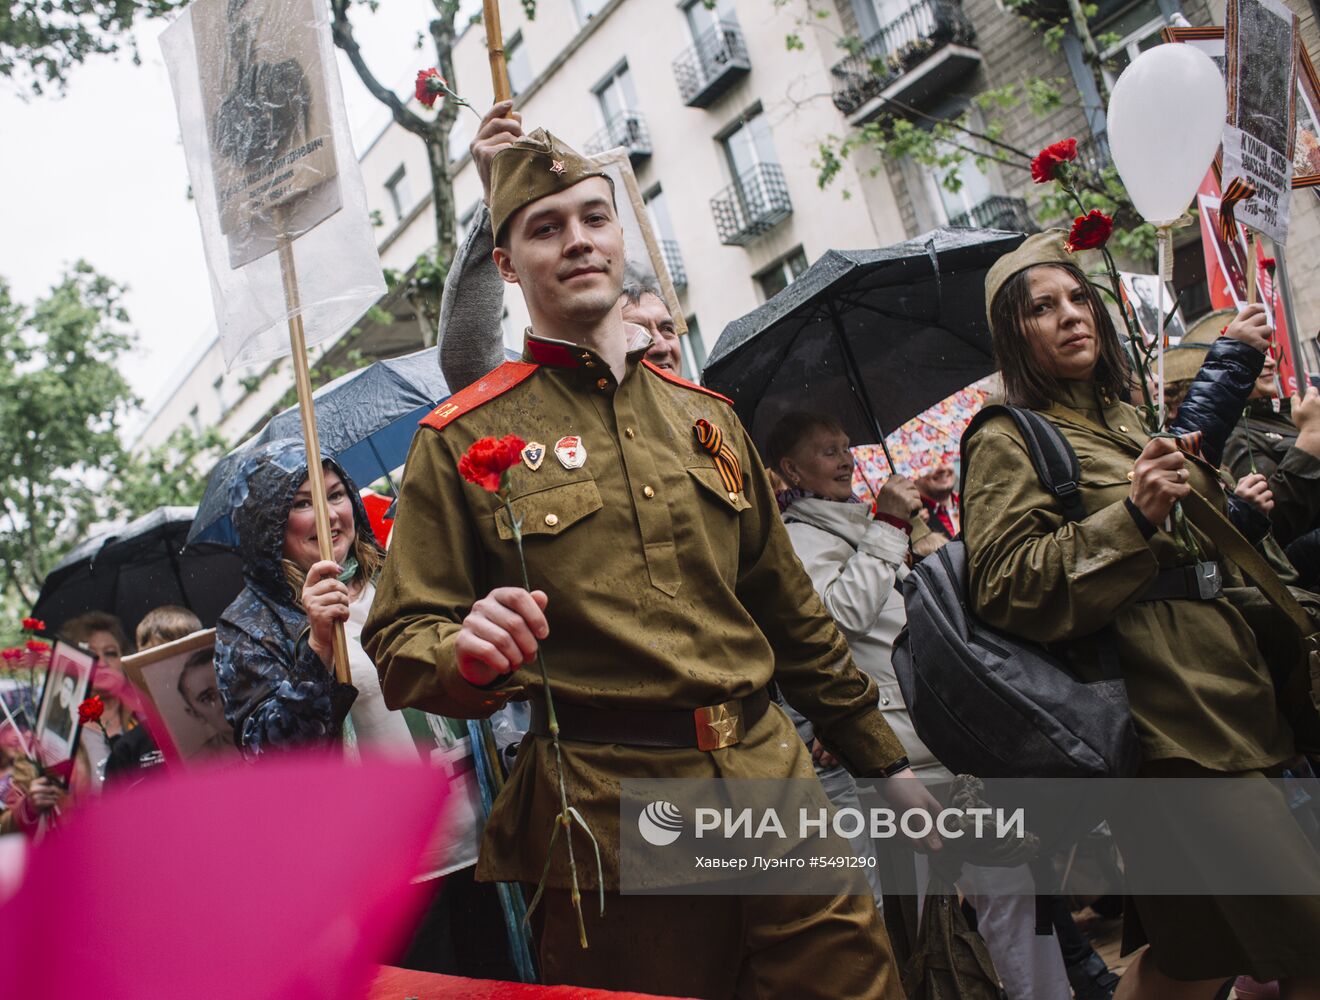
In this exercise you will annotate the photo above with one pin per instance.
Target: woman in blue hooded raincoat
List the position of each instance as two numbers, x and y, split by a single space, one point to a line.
273 654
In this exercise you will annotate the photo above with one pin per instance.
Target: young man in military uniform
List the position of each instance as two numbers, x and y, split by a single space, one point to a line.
469 331
670 597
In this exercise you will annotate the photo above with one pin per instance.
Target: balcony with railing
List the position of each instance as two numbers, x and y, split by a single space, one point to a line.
1093 156
715 63
913 58
627 129
674 262
997 212
753 204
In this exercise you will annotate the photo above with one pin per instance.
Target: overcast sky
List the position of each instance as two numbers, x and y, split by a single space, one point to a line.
100 174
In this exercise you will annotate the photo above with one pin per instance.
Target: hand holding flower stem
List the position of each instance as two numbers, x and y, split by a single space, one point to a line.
486 463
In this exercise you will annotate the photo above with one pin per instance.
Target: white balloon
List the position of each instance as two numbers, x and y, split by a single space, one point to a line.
1166 119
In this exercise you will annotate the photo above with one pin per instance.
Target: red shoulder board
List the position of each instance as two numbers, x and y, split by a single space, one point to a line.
669 376
484 389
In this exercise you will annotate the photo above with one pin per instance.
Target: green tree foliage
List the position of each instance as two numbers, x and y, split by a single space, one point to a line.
426 278
172 474
62 401
41 40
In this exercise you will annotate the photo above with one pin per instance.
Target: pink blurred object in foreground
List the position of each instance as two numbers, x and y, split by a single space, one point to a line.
288 879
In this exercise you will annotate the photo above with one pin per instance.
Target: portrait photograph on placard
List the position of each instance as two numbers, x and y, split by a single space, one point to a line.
1259 105
1141 292
1306 146
1232 257
1306 138
68 681
184 708
264 95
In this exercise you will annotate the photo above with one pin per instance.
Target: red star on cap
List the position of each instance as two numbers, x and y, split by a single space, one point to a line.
556 166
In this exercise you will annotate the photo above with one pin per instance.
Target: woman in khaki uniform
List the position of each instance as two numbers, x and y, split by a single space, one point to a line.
1201 695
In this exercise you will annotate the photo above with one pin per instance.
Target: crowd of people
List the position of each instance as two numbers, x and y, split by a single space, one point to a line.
710 613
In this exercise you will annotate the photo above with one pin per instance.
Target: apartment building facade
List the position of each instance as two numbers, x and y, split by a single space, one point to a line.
724 119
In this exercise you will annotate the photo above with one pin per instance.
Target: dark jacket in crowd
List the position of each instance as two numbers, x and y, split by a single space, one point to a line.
1266 442
1217 395
1213 405
277 692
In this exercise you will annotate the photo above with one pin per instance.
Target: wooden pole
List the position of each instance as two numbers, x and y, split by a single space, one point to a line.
652 245
1251 266
499 70
311 440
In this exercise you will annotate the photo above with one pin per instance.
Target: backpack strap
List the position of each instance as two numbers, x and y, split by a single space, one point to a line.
1051 455
1057 468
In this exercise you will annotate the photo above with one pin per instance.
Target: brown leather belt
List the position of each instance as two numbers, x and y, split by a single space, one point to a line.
710 728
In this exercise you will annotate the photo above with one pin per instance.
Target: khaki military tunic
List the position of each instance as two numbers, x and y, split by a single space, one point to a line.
1198 687
666 591
1266 442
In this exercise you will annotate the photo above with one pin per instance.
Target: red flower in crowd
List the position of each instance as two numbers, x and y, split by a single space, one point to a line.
91 710
487 460
33 625
12 654
1269 264
1045 166
425 90
1090 231
37 646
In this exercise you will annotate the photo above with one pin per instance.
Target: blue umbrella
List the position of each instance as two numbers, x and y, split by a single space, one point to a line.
365 419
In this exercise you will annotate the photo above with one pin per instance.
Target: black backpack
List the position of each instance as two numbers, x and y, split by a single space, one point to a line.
994 705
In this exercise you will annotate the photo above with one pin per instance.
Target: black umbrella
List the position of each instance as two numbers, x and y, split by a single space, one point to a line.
870 337
366 420
130 570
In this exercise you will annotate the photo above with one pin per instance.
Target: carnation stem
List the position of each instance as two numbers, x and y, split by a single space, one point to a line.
566 813
1140 353
444 89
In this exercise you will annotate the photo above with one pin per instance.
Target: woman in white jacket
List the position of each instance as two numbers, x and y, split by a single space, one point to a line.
856 556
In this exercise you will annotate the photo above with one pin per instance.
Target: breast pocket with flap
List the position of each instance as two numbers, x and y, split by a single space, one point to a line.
550 511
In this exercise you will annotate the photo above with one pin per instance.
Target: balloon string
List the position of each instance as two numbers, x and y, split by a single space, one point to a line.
1162 236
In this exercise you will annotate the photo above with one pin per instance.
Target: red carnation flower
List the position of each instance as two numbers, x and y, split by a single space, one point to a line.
12 654
91 710
1089 231
1269 264
425 90
487 460
1045 166
33 625
37 646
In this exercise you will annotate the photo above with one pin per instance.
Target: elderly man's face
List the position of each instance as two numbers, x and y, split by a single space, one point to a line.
651 313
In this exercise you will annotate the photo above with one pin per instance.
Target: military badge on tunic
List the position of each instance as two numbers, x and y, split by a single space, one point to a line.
533 455
571 452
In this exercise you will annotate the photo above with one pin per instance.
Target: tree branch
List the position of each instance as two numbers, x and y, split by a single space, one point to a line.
17 584
342 31
916 113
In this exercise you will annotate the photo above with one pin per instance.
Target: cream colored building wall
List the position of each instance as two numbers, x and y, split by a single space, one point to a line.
197 401
791 87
